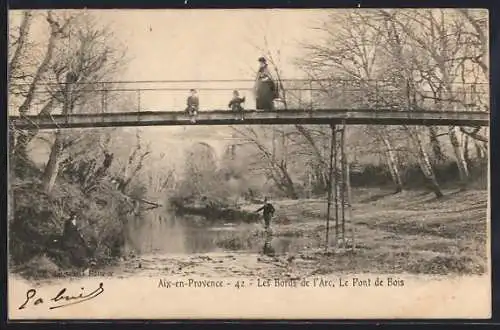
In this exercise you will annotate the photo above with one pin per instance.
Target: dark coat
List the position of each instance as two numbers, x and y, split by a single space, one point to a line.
193 102
268 209
74 244
71 235
265 89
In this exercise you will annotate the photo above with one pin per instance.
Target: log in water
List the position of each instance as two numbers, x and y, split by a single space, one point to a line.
217 214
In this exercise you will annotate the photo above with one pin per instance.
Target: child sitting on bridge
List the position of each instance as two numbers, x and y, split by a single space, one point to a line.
193 104
235 103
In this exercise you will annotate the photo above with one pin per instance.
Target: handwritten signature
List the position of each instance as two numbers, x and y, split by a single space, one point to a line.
62 299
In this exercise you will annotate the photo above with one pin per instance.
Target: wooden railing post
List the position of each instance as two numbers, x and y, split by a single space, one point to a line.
138 100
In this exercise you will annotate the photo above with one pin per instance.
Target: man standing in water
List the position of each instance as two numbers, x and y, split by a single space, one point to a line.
268 213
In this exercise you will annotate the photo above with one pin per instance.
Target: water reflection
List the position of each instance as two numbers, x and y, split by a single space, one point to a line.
268 248
162 232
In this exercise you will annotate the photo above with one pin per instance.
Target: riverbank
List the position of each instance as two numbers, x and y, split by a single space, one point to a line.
410 232
429 254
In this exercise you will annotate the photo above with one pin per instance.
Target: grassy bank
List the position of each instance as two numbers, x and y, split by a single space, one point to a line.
408 232
36 227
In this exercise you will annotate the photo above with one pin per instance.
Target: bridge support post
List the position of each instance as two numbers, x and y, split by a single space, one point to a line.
345 191
343 185
338 187
333 152
336 182
138 100
349 205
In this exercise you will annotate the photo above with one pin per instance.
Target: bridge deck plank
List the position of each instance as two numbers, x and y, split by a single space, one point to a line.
252 117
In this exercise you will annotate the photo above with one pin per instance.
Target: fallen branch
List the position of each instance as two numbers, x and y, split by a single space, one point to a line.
147 202
474 134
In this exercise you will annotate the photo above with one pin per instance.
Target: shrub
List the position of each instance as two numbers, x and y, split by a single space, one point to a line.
38 220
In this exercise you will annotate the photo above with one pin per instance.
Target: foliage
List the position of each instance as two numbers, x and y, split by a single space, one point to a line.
404 60
85 172
39 219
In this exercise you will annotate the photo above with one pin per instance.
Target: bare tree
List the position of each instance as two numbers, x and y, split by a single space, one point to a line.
19 44
477 49
79 53
424 161
18 72
160 179
75 73
441 39
133 165
349 62
277 168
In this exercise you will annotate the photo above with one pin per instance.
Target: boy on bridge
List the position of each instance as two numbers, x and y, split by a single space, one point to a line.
193 105
235 103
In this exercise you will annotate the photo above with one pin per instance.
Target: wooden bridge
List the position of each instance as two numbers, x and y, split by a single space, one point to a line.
252 117
344 103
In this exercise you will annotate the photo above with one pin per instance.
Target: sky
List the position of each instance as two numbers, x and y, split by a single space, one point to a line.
206 45
199 45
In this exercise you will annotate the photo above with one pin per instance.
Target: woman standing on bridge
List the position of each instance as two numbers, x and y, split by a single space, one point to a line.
265 88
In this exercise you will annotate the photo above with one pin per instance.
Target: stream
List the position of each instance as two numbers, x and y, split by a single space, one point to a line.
160 231
164 244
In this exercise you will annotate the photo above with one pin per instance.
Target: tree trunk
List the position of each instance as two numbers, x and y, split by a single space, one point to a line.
27 136
467 159
348 185
41 70
52 167
482 36
12 143
44 66
274 145
10 197
424 162
21 43
307 135
480 152
438 155
321 167
459 156
288 184
321 178
392 163
284 146
309 185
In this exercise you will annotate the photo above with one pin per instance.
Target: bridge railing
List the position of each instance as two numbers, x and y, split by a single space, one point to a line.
132 96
